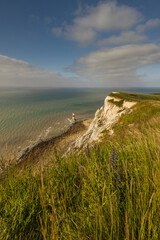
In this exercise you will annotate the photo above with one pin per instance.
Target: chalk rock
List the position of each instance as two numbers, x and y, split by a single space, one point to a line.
104 119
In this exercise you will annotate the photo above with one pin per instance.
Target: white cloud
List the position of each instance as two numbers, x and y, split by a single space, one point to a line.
80 35
17 73
105 17
124 37
152 23
117 66
108 17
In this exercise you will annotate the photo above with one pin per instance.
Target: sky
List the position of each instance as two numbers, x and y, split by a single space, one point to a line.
79 43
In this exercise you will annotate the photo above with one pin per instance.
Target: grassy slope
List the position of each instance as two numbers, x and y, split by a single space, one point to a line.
111 191
136 96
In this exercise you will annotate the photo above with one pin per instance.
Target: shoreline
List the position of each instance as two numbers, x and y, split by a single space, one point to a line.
44 150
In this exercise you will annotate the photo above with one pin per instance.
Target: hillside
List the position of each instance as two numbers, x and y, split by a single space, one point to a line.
108 190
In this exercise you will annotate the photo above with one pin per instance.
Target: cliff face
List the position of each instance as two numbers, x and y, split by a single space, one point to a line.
104 119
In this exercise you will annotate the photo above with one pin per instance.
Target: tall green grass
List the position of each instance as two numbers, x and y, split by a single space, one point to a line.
109 191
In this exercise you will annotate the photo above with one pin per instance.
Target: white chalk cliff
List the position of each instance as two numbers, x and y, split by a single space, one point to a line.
105 117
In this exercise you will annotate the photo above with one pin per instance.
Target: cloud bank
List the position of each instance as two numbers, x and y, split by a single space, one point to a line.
124 37
117 66
152 23
105 25
121 33
105 17
92 24
17 73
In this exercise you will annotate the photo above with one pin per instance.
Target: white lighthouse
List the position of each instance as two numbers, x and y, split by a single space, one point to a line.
73 118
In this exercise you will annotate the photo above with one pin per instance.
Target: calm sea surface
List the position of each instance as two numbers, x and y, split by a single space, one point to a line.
26 116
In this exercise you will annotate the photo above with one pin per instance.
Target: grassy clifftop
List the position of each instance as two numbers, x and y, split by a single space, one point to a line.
137 97
110 191
145 115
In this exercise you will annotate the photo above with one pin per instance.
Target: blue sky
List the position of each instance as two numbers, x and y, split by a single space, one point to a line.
77 43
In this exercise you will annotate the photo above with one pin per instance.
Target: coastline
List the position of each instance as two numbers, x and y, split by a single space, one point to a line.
43 151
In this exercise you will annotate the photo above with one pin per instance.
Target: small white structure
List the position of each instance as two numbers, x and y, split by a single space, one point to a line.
73 118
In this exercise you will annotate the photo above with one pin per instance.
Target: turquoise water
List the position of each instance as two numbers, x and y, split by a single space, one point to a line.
26 116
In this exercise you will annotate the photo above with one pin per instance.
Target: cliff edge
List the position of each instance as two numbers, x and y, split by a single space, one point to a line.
104 119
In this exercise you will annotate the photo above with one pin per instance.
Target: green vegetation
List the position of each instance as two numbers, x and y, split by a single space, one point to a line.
136 96
109 191
117 103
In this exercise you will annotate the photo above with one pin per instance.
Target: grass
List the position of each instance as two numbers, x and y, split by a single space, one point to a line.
117 103
109 191
136 96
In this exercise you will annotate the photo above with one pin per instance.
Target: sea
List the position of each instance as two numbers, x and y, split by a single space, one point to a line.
28 116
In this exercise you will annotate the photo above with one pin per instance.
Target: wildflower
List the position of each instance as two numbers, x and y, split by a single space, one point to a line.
3 178
98 149
114 165
88 150
118 177
113 158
